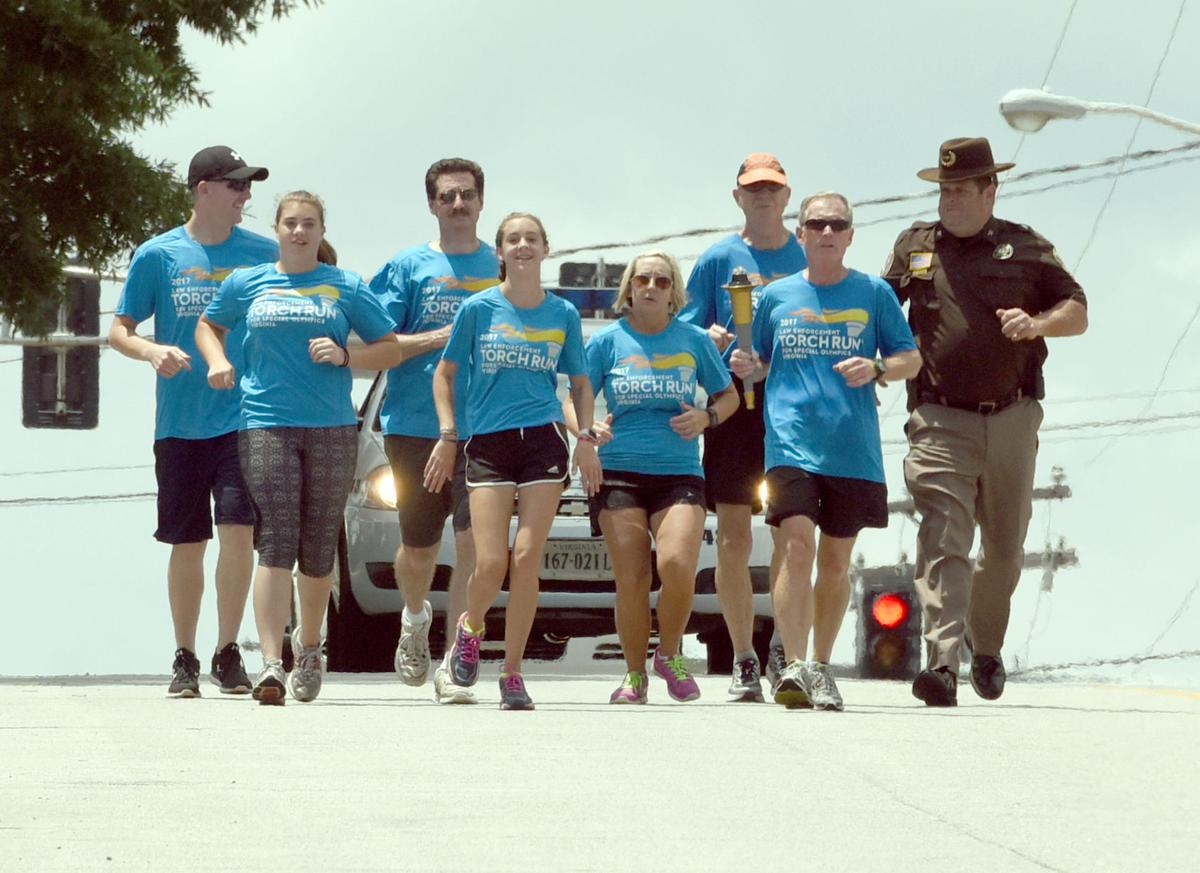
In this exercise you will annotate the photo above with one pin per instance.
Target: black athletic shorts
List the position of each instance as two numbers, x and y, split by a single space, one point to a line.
839 506
190 473
423 513
733 454
520 456
652 492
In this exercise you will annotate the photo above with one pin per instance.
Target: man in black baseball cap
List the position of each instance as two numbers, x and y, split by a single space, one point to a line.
171 278
222 163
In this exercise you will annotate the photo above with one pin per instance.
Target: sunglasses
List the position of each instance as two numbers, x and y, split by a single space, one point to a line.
837 225
238 185
467 194
641 282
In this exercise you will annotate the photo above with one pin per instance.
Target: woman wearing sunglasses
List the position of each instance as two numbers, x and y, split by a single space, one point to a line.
513 339
298 440
649 365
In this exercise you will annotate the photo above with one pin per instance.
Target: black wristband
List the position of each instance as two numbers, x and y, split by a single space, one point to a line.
713 418
345 356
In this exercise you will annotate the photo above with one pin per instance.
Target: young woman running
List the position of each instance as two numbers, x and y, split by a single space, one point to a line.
298 440
649 364
513 339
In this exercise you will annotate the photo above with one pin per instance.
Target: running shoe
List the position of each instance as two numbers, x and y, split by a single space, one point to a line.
304 682
185 674
633 689
512 692
464 654
228 671
680 684
746 686
822 690
792 689
412 652
445 691
776 662
269 687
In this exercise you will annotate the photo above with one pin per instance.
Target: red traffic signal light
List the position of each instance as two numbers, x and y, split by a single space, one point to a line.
889 610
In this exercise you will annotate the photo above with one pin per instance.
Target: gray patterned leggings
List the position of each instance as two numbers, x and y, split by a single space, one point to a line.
299 478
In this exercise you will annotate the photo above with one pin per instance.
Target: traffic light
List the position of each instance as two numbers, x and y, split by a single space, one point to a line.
888 644
60 384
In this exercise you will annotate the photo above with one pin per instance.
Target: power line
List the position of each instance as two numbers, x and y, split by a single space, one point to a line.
76 470
87 498
1182 608
1104 662
1049 68
1016 178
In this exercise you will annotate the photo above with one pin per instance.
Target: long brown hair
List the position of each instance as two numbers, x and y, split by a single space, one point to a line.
326 253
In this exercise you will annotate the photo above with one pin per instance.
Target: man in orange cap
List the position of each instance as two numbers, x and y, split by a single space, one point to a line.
733 451
982 294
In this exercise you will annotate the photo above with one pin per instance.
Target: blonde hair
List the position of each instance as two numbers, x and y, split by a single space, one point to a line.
513 216
326 253
624 300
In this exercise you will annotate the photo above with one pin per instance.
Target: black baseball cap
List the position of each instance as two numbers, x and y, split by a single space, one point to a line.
222 162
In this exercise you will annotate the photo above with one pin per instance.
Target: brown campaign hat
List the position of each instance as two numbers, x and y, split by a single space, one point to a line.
761 167
968 157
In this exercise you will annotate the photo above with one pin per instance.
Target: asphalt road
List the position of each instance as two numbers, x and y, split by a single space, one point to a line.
108 774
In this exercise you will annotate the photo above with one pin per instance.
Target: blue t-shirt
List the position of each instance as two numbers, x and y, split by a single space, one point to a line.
173 278
422 289
814 421
281 385
513 355
645 378
708 303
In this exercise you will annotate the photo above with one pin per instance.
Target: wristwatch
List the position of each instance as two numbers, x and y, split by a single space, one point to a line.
880 370
713 420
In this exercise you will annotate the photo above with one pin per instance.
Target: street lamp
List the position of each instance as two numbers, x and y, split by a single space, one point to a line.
1028 110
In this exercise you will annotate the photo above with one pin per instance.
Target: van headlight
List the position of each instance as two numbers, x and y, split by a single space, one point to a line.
762 492
380 488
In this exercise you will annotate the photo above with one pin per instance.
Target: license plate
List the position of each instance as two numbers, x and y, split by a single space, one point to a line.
576 559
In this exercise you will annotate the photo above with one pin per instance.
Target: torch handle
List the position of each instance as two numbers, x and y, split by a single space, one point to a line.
744 342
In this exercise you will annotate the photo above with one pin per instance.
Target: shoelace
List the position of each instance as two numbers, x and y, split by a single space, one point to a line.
747 674
818 680
675 665
514 684
469 647
310 660
633 680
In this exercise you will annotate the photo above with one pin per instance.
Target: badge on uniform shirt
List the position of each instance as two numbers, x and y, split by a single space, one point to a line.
1003 252
920 262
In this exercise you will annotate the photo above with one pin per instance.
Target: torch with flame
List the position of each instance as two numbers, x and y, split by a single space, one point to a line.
740 297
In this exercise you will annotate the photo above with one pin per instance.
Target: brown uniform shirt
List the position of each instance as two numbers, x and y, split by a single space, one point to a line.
953 288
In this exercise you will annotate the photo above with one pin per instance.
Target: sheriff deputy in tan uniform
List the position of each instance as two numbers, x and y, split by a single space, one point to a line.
983 294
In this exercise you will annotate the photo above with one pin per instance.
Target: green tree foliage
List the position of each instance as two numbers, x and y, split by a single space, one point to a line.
76 78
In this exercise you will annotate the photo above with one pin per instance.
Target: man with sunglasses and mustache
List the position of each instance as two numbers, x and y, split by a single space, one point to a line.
825 336
733 451
173 277
422 288
982 295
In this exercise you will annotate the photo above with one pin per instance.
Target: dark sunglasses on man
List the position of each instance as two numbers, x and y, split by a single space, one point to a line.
467 194
837 225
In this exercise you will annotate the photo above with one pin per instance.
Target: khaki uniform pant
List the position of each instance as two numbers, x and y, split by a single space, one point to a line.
964 468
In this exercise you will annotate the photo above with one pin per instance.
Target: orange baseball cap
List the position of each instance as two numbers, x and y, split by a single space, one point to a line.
761 167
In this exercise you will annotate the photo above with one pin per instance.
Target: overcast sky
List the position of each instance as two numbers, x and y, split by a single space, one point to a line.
621 120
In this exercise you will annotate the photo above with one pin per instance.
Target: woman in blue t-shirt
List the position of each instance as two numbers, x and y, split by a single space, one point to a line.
298 439
649 365
513 339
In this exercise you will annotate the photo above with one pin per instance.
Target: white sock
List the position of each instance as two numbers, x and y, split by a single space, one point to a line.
417 619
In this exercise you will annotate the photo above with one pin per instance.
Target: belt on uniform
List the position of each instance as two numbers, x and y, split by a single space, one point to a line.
983 407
